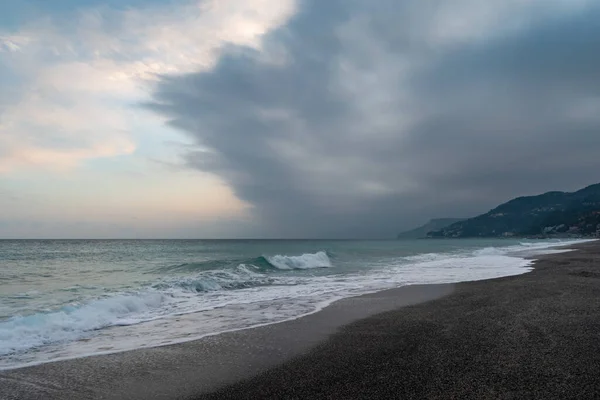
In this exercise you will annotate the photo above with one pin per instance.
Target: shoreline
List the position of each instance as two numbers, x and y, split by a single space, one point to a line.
210 363
194 322
199 366
530 336
208 335
108 350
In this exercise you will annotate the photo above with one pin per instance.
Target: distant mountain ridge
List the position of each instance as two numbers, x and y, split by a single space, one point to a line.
433 225
550 214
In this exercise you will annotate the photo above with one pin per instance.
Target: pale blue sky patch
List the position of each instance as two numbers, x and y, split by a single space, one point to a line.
15 13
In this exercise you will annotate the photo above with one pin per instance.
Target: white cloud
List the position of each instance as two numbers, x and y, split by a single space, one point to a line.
12 43
81 75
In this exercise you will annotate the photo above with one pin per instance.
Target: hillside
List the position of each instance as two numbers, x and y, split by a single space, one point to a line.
433 225
548 214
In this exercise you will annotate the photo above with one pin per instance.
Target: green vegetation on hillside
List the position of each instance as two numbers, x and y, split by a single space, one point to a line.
548 214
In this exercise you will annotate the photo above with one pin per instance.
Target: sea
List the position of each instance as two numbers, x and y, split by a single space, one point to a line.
62 299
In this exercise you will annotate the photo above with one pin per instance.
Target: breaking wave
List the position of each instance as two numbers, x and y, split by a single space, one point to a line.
72 322
241 277
236 283
263 263
166 297
305 261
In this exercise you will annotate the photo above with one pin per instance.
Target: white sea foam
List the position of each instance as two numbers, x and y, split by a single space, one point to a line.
69 323
189 307
305 261
168 297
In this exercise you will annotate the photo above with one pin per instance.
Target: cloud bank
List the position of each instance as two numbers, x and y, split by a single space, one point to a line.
358 118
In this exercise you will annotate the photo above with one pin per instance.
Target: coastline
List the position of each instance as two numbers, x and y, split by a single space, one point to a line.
198 367
530 336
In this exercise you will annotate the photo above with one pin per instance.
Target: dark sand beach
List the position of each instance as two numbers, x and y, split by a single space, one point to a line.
187 369
535 335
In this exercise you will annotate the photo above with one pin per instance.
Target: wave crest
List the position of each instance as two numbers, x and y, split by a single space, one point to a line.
71 322
243 276
305 261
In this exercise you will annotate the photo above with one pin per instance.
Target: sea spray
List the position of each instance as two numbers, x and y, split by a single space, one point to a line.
305 261
160 292
72 322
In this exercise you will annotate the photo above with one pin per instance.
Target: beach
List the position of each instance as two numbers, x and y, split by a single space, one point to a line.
187 369
534 335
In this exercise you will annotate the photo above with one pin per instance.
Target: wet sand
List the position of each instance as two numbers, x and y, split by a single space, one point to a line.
184 370
533 336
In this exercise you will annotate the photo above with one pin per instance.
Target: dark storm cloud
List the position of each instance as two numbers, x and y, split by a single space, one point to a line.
358 120
521 114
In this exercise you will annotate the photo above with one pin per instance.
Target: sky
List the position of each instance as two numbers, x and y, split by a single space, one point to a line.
289 118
